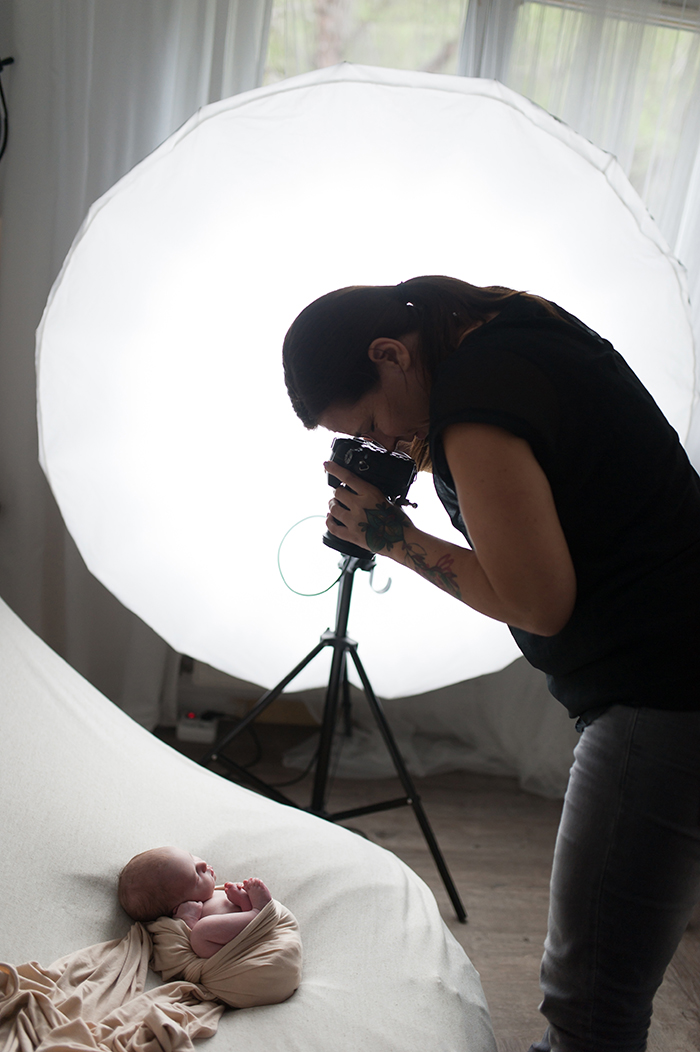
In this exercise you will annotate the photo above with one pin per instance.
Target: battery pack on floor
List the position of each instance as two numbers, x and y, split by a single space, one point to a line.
192 728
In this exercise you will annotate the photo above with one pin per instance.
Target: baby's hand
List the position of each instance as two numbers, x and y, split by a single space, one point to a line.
189 912
258 893
237 896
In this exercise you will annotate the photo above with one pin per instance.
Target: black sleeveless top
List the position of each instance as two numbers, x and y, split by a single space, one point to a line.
627 497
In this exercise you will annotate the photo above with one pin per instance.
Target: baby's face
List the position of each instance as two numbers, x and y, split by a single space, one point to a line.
191 878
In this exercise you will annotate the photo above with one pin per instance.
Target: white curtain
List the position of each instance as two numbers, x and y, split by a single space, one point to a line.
94 88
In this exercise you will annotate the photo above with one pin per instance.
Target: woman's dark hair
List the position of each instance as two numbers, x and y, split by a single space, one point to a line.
325 351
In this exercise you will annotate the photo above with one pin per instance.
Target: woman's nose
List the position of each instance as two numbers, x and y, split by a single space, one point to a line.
384 440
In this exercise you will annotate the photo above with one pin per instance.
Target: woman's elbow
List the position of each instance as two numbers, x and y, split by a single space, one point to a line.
548 626
552 615
545 606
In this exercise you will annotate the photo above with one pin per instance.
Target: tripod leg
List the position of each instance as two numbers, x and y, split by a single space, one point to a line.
347 707
245 776
338 639
265 699
410 790
330 711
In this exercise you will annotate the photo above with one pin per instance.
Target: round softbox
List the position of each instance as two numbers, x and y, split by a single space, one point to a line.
166 433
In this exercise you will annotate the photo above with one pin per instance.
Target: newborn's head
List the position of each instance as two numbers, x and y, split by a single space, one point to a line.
154 883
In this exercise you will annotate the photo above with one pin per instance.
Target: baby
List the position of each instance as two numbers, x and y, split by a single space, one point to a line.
168 881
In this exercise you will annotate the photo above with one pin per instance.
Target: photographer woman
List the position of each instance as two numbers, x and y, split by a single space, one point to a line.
582 515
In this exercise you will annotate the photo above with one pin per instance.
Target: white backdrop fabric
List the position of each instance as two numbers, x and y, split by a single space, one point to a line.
165 430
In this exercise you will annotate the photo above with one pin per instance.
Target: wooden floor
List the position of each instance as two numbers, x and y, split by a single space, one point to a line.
497 841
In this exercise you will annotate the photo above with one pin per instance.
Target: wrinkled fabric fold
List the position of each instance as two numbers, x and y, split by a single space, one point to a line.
93 1000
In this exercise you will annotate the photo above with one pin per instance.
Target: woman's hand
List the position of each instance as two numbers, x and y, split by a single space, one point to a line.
361 514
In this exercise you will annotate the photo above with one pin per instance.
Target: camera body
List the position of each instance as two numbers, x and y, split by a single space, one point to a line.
392 473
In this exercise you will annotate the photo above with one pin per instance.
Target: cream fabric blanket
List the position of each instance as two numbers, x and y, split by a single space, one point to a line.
93 1000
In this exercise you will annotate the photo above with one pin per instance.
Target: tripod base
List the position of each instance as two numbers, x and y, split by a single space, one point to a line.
342 647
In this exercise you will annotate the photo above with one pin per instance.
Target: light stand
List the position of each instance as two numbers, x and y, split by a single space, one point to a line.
342 646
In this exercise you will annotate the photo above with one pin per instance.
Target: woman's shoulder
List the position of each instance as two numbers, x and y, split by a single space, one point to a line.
529 329
528 310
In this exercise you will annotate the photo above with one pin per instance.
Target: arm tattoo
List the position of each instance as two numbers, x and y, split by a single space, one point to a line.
440 574
385 528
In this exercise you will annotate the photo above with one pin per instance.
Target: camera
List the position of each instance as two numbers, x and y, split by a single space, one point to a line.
392 473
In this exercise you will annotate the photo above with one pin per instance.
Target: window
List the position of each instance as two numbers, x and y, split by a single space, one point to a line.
627 76
403 34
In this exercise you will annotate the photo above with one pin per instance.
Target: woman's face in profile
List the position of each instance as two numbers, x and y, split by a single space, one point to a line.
396 409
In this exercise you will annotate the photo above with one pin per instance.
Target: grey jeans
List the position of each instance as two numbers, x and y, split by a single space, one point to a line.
625 878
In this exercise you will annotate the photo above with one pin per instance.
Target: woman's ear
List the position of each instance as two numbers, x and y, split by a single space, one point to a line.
391 352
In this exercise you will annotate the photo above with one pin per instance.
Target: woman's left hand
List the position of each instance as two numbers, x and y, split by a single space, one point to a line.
361 514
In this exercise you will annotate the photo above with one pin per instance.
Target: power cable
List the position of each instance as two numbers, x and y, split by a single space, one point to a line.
4 123
279 564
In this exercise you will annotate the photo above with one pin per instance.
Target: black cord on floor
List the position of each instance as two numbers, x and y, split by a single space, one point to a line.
3 109
213 714
300 777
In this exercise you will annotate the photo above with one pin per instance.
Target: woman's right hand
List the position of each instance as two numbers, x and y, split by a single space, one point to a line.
361 514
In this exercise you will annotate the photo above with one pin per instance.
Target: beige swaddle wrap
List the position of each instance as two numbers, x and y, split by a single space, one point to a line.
261 966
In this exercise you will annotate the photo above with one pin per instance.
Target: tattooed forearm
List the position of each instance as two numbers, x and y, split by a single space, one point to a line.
385 528
440 574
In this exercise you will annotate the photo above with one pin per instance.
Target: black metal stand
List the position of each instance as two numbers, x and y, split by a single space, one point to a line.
342 646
